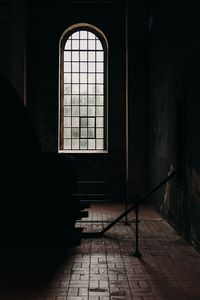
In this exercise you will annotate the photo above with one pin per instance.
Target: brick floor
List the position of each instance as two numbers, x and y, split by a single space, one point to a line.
105 268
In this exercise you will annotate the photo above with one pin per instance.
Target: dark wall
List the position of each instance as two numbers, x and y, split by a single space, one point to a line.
166 59
36 203
30 33
6 36
137 13
32 195
19 161
47 22
174 109
165 88
193 112
13 43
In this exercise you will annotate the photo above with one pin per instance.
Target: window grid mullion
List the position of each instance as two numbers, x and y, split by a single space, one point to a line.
95 87
79 142
87 86
71 98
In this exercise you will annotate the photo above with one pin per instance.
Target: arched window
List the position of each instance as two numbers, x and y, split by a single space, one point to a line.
83 90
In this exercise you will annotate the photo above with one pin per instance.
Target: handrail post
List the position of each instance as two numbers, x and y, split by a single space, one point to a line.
137 252
126 208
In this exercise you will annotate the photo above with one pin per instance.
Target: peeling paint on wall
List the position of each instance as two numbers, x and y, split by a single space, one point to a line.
196 185
165 206
195 223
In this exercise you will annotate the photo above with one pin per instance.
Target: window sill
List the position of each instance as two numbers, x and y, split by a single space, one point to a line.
83 152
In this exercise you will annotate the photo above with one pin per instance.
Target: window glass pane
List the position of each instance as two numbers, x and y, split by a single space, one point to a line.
91 133
83 88
99 67
75 56
75 45
99 56
67 77
98 45
83 144
91 78
99 110
91 100
91 144
67 144
83 132
83 34
83 56
91 111
99 78
75 67
75 144
75 121
99 143
84 122
75 35
67 55
67 132
75 100
91 67
75 132
99 100
91 36
67 100
83 67
91 122
91 55
67 67
99 132
67 110
91 88
99 89
68 45
75 111
83 110
83 78
67 88
99 122
75 78
75 88
91 44
83 44
67 122
83 100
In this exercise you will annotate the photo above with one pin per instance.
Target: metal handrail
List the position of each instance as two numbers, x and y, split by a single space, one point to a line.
138 201
135 207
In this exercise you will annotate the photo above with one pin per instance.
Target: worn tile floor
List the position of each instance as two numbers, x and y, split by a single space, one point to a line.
105 268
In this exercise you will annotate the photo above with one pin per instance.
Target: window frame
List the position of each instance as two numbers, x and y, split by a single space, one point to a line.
65 36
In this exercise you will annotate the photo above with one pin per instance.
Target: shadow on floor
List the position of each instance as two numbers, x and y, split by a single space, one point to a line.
28 270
